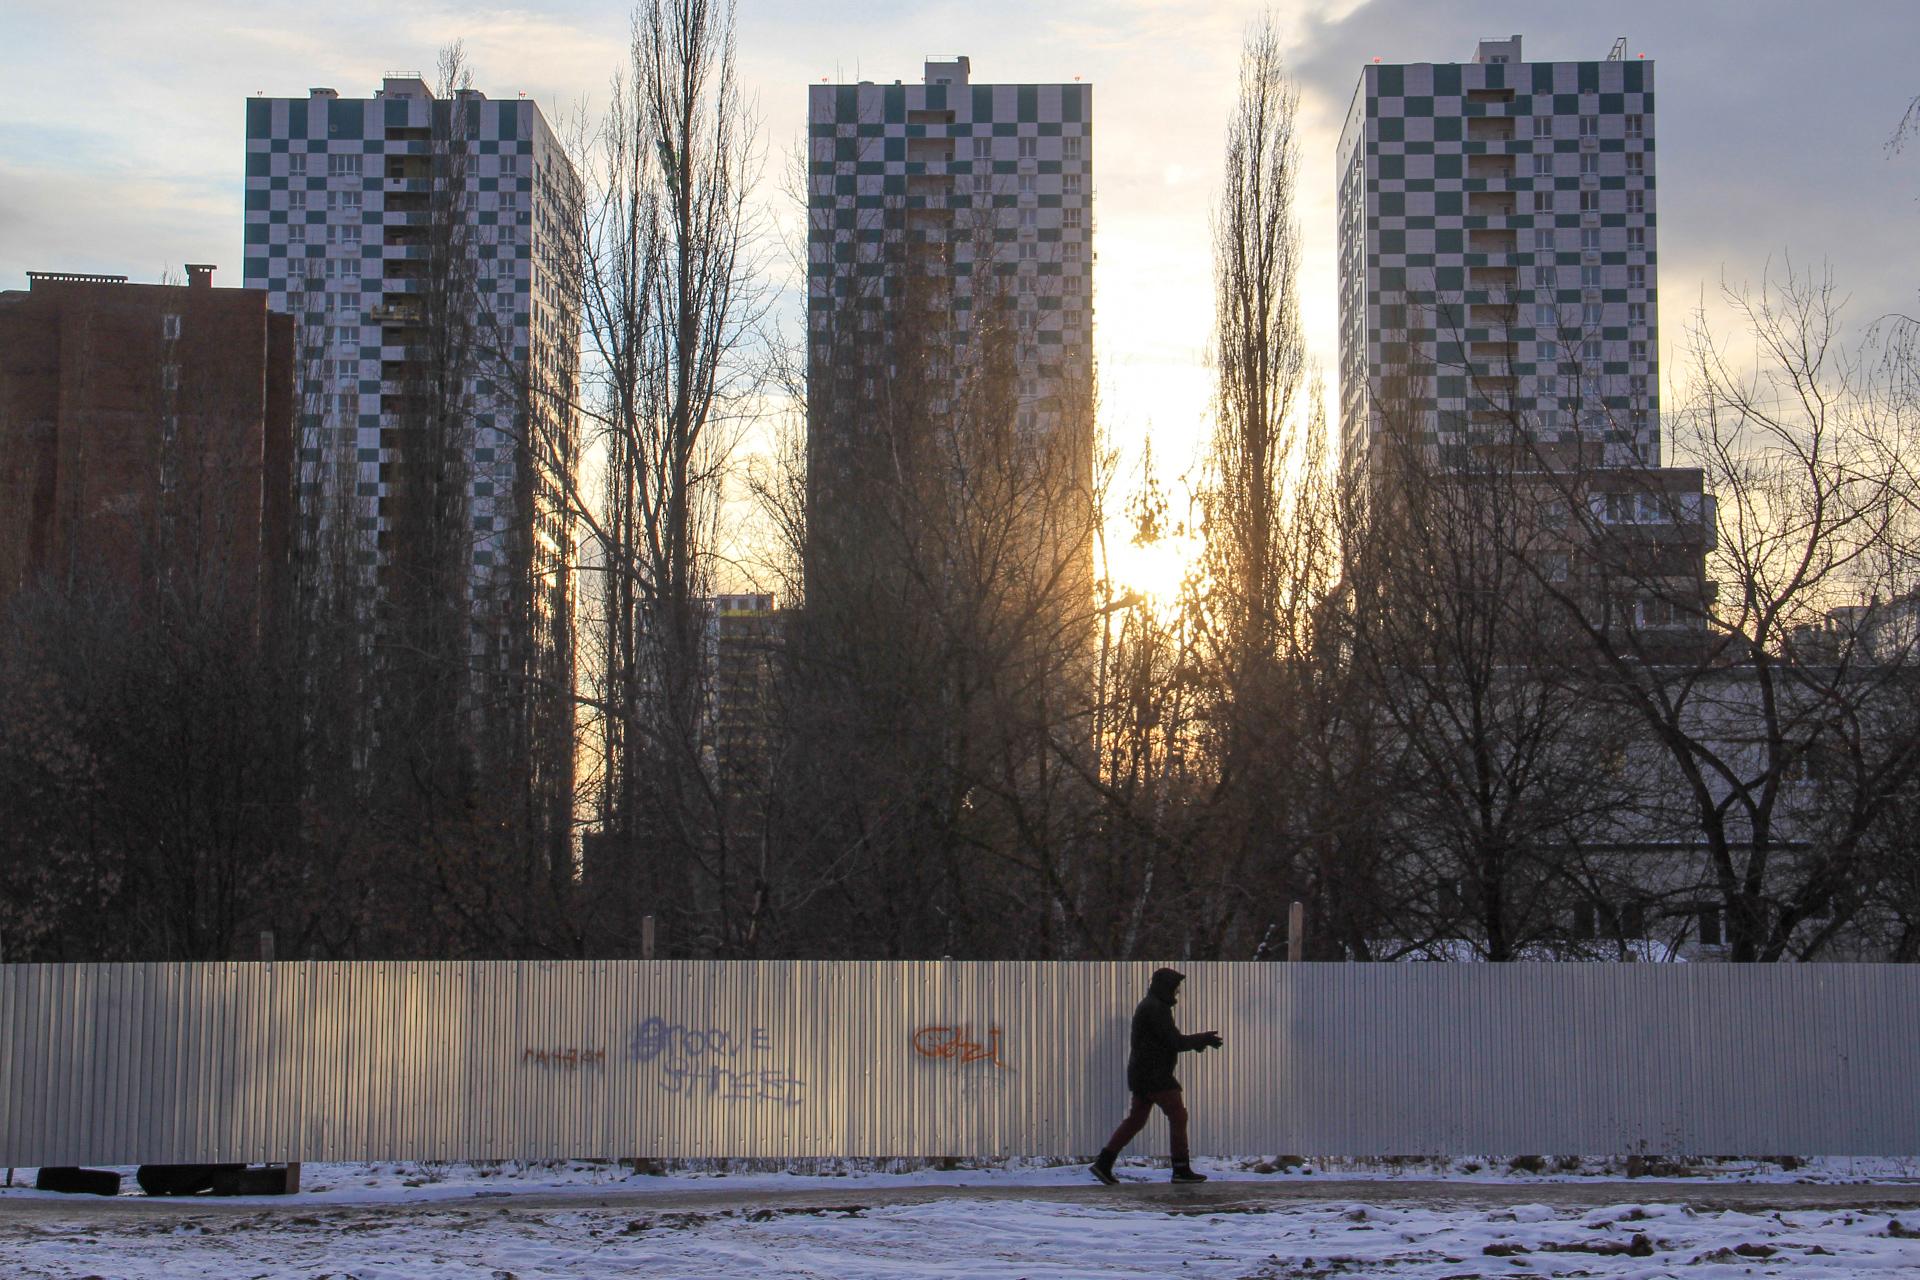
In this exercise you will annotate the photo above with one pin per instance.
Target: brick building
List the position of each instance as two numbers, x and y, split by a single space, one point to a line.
146 436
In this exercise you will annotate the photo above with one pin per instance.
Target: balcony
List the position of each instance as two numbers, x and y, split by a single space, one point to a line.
1490 204
395 313
1490 167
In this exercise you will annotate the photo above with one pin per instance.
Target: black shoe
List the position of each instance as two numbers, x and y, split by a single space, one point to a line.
1185 1173
1102 1168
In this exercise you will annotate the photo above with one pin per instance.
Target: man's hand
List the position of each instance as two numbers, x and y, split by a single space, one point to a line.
1213 1040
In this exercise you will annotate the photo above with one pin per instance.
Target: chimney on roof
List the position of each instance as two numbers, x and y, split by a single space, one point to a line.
200 275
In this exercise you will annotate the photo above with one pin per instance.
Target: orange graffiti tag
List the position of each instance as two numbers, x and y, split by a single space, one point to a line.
958 1044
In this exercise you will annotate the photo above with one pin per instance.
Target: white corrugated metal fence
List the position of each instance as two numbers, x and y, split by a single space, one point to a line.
310 1061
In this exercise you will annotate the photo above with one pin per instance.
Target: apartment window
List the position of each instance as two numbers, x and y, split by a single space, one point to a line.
1589 237
1073 252
297 162
1637 313
1029 148
1590 350
296 233
1071 147
1636 277
1029 217
1637 351
342 166
1589 314
1029 251
1636 202
1637 238
1589 202
343 199
347 235
1026 284
297 199
1543 126
1544 316
1543 277
1589 126
983 148
1637 384
509 164
1590 277
1589 163
169 377
1543 202
1636 164
1070 217
1542 165
1073 284
1545 350
1542 239
1026 184
169 327
1636 126
1071 184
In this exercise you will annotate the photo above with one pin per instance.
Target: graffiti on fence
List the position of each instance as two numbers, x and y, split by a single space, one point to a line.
571 1058
722 1064
956 1044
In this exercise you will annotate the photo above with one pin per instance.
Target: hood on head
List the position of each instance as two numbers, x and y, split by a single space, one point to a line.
1166 984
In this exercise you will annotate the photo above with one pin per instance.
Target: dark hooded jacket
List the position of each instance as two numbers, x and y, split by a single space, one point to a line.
1157 1042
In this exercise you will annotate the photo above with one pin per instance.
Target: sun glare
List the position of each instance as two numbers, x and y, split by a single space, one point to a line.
1153 572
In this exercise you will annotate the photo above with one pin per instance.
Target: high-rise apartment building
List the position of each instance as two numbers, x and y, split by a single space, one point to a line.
372 219
964 213
1497 256
427 247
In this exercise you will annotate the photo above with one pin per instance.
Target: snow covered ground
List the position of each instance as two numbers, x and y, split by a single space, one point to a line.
385 1222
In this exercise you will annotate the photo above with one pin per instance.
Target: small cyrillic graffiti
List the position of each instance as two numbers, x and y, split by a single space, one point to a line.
571 1058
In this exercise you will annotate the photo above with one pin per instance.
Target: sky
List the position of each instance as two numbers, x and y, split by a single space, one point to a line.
121 141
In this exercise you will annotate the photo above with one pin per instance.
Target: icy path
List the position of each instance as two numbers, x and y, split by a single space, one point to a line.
1037 1224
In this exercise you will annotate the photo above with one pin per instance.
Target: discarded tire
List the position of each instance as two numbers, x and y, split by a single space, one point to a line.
180 1179
251 1182
75 1181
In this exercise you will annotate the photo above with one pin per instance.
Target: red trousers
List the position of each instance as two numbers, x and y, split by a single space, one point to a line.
1169 1101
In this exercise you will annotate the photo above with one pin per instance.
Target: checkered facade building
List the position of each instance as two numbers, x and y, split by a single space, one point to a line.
337 193
992 178
1497 254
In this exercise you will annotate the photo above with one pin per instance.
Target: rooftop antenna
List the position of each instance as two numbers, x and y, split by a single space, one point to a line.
1619 53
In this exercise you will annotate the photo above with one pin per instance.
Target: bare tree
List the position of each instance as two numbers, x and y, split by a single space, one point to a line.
1784 727
1269 517
672 303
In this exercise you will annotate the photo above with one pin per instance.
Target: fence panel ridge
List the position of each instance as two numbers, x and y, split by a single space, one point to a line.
284 1060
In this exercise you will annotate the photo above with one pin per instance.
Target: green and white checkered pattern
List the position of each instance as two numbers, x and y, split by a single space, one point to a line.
1497 254
320 186
1005 166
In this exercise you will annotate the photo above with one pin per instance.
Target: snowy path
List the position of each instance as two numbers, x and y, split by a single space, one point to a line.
1043 1226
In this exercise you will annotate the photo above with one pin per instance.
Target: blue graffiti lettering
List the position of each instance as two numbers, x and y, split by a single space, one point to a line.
703 1062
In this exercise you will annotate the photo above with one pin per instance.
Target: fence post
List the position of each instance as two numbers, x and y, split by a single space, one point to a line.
646 937
292 1184
1296 931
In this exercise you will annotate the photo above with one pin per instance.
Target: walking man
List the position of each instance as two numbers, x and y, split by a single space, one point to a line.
1156 1044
